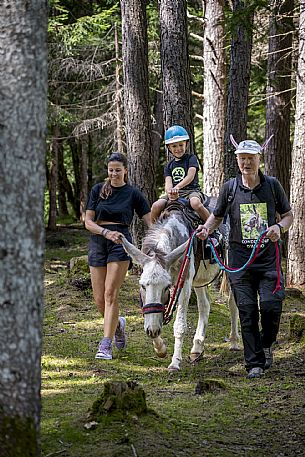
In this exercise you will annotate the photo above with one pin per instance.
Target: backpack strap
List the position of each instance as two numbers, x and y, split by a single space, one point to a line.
231 195
271 181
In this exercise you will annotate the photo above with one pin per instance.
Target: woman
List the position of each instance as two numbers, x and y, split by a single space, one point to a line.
110 210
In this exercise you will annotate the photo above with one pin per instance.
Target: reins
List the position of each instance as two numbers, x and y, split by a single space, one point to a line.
171 307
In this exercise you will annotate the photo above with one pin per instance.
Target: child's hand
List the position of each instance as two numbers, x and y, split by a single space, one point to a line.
173 194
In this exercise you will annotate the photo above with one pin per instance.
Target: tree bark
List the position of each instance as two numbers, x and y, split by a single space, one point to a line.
118 95
175 66
239 80
136 101
296 244
62 176
53 179
277 157
83 177
23 94
214 96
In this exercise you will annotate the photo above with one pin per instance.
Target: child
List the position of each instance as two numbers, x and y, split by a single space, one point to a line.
181 175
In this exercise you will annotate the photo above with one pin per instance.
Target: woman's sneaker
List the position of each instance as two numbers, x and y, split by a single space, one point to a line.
255 372
104 349
120 336
269 357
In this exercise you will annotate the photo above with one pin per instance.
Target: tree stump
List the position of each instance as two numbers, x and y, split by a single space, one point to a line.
209 385
297 328
119 400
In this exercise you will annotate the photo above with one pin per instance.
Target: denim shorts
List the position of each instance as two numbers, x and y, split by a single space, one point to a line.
103 251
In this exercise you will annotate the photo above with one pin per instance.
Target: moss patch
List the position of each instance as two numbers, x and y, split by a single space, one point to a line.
297 328
18 437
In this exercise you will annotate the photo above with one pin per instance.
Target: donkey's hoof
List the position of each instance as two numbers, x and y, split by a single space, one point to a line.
195 357
160 350
161 354
234 347
173 369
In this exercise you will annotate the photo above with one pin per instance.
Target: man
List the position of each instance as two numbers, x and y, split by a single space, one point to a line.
253 208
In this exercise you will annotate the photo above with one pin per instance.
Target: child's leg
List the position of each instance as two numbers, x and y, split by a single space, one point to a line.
157 208
201 210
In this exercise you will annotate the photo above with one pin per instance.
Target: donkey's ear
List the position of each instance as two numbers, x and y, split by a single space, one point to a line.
138 256
233 141
175 254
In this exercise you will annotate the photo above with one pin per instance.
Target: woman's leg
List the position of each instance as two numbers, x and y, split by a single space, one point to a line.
98 276
116 272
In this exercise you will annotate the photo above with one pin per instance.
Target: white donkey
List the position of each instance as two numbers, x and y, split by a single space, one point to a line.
163 246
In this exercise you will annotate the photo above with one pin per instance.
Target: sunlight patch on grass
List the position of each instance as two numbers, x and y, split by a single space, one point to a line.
49 362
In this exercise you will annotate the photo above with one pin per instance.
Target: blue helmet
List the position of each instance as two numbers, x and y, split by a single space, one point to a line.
176 133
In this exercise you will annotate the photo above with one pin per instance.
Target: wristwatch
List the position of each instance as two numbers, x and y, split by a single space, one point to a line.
282 229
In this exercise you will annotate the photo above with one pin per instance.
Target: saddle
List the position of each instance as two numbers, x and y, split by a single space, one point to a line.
202 249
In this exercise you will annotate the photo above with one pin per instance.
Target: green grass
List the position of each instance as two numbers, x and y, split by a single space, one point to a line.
245 418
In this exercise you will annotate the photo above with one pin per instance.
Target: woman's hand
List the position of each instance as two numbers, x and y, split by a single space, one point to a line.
114 236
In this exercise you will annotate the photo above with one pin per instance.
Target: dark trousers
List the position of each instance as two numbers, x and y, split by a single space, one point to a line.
259 320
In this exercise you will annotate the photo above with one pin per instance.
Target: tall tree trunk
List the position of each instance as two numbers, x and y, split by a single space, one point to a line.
214 96
296 244
277 157
136 100
53 179
62 201
118 95
239 80
23 93
75 160
157 128
175 66
83 177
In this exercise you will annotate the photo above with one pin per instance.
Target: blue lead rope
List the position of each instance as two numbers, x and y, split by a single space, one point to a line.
251 259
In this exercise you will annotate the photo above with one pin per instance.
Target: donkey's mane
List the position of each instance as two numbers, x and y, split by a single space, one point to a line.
169 231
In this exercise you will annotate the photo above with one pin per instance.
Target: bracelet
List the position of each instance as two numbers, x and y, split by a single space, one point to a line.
104 232
282 229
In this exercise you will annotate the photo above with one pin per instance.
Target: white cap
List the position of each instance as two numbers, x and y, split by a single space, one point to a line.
248 147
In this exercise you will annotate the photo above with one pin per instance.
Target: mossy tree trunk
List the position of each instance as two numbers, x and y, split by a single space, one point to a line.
277 157
136 102
175 66
296 244
214 96
239 80
23 93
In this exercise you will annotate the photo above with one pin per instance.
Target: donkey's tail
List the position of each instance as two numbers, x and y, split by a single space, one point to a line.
224 286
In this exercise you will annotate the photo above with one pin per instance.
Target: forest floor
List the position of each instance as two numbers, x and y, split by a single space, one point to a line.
240 418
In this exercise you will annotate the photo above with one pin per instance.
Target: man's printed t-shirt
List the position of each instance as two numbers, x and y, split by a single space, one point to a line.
251 212
178 169
119 207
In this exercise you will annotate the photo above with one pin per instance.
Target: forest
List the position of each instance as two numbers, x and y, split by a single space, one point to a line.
80 80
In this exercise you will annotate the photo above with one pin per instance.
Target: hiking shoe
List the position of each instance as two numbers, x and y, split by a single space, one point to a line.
255 372
269 357
120 337
104 349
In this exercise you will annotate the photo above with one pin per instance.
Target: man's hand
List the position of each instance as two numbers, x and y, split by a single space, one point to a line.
202 232
274 233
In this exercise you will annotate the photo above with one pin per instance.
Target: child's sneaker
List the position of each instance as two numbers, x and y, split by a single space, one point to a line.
104 349
120 337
